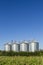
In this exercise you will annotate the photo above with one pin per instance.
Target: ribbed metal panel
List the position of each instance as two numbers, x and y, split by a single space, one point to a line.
15 47
24 46
33 46
7 47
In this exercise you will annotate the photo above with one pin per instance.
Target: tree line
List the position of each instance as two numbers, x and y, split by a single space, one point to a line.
11 53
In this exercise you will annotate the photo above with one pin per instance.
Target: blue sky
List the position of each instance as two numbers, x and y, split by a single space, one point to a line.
21 20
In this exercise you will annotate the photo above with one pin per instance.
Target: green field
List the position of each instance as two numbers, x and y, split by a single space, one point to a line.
21 60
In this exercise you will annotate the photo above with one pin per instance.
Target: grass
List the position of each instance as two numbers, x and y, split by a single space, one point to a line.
21 60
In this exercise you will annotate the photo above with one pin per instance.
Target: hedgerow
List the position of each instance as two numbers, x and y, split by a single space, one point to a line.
12 53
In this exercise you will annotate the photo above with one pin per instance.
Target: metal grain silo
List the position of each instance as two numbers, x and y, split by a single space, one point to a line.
15 47
7 47
33 46
24 46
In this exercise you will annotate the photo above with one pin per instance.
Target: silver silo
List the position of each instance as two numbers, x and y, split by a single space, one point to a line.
24 46
33 46
7 47
15 47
